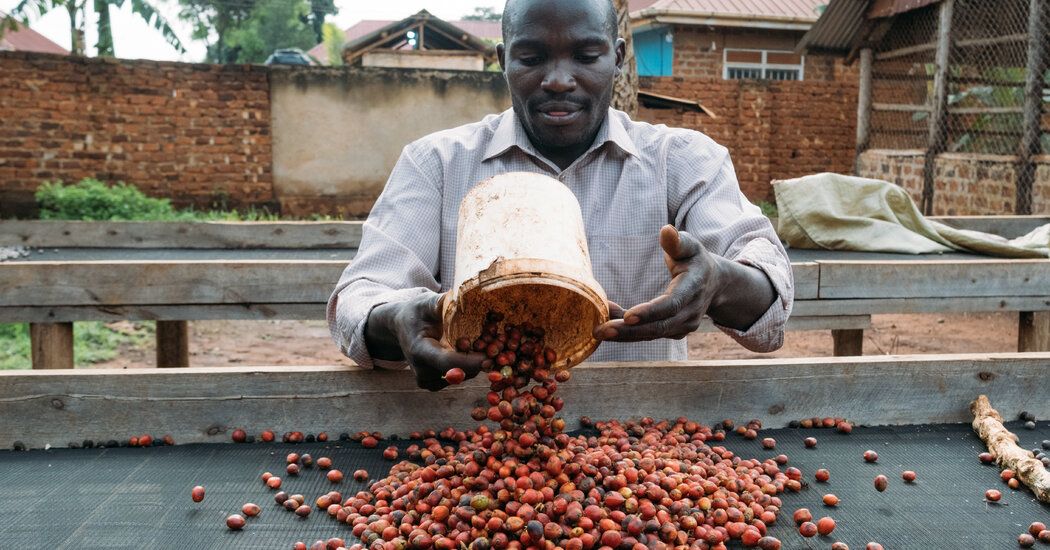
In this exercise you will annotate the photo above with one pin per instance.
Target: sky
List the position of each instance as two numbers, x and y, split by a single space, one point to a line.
134 39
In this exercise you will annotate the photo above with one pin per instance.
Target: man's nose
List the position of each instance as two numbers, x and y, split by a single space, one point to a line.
559 79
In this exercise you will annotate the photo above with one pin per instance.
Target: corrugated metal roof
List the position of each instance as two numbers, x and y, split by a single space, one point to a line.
835 29
843 20
802 10
26 39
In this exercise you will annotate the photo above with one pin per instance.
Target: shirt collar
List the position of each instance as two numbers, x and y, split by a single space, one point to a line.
510 133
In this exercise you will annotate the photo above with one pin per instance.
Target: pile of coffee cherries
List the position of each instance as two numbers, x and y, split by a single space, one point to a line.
527 484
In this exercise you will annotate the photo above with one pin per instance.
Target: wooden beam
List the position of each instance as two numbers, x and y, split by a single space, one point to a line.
1036 65
194 235
901 107
934 279
167 282
848 342
203 404
51 345
194 312
1033 331
938 136
966 43
173 344
1008 226
863 108
881 306
807 279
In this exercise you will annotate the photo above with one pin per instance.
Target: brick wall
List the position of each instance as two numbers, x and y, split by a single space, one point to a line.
774 130
964 184
698 52
198 134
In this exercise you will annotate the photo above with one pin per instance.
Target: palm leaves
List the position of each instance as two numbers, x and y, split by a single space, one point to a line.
77 10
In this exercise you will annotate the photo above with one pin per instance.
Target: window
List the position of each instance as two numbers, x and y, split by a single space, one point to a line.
761 65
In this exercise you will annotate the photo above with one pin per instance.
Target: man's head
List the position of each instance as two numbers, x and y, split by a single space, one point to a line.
560 58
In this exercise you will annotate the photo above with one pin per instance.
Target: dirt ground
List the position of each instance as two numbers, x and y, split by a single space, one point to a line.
230 343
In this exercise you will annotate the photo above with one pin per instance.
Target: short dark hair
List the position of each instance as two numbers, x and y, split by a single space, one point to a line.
612 20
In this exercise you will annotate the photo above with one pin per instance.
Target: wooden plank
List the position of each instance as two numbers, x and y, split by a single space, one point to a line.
816 308
173 344
1005 226
807 279
796 323
1036 65
203 312
901 107
847 343
51 345
1033 331
863 107
202 404
934 279
79 234
167 282
938 135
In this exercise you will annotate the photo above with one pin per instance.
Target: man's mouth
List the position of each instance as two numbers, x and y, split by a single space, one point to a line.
559 113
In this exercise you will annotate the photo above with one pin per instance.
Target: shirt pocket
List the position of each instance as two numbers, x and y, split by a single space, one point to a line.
630 268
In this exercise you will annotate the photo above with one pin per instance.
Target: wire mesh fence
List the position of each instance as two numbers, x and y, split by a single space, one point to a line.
982 102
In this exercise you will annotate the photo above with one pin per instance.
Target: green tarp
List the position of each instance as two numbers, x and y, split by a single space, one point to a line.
837 212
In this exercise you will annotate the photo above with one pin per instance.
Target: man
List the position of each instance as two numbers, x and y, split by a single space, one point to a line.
636 183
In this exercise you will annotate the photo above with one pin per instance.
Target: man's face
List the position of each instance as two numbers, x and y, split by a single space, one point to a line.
560 62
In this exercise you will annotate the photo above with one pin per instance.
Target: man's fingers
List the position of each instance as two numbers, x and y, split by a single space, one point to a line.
680 294
430 357
615 310
674 327
678 245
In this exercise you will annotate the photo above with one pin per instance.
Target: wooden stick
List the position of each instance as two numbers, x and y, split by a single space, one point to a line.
1003 444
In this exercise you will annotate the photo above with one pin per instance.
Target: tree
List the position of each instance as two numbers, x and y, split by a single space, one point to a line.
333 40
273 24
78 15
483 13
625 89
212 21
318 10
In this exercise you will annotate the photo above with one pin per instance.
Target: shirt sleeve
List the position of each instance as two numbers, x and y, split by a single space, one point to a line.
711 207
397 259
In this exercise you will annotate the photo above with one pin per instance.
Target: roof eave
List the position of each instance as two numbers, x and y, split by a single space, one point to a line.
713 19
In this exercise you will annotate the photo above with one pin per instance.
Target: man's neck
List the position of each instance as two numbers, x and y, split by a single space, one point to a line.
563 157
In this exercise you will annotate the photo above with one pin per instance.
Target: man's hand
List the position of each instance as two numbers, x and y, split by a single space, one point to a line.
733 294
411 331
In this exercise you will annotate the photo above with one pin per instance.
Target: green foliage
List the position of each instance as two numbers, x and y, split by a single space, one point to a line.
212 21
93 342
334 40
769 209
91 199
273 24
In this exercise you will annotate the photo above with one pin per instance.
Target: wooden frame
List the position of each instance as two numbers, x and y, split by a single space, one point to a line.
204 404
830 294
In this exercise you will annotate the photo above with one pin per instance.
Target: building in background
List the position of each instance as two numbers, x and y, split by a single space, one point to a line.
25 39
393 36
727 39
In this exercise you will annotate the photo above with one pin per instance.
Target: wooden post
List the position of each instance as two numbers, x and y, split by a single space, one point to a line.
1038 19
1033 331
938 129
863 107
173 344
52 345
848 342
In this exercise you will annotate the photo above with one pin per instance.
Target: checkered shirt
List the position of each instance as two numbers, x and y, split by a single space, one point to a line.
634 179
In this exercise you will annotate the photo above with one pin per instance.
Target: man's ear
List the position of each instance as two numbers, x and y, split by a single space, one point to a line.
501 51
621 53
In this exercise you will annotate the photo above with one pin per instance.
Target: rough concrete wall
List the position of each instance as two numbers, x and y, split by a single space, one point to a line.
964 184
198 134
424 59
774 130
338 133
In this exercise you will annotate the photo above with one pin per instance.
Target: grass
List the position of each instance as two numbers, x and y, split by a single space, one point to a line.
769 209
93 342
